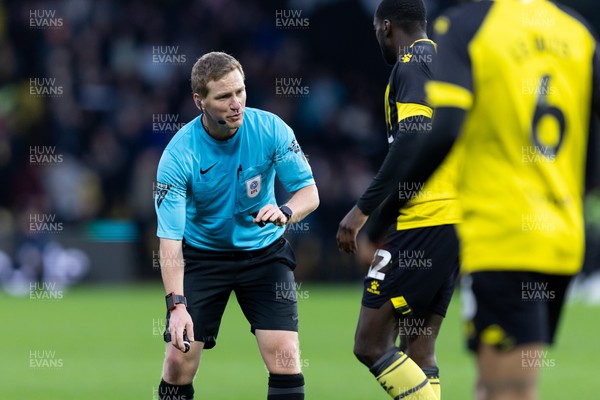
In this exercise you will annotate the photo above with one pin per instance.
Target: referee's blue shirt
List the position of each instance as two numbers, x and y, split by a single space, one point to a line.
207 189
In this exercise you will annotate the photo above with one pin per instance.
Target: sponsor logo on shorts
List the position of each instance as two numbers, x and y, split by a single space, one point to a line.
374 288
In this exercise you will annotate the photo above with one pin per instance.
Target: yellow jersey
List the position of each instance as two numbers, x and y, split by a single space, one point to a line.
434 203
524 71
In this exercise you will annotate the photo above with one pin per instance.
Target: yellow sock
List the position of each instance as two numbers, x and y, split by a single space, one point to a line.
403 379
437 388
433 374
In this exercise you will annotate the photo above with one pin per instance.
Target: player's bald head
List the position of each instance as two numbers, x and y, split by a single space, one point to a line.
409 15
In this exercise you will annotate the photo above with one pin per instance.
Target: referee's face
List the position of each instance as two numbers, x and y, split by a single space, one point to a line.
226 100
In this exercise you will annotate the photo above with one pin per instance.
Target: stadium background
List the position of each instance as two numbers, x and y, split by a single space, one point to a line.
92 91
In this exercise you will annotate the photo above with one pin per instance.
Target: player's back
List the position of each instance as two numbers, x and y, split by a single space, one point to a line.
435 203
525 136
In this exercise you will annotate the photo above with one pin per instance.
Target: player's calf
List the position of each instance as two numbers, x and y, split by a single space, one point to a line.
402 378
502 375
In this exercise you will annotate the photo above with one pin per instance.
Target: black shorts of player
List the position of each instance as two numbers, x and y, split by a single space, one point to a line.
509 308
416 269
263 282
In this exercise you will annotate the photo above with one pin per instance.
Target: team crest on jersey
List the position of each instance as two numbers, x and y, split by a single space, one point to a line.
253 186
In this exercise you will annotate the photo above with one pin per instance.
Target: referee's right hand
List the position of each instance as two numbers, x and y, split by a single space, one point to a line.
179 322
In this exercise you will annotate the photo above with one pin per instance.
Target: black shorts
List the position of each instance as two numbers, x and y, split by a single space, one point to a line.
508 308
416 269
263 282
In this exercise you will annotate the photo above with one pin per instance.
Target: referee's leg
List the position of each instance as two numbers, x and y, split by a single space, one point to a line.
281 352
179 370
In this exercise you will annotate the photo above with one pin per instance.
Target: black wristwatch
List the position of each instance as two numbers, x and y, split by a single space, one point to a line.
173 299
287 212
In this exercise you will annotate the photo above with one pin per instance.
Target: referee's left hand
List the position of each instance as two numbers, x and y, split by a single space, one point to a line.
270 213
349 228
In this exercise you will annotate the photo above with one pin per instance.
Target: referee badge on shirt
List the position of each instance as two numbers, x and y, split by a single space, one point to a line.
253 186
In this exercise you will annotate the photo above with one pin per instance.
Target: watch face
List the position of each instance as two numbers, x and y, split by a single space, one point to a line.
286 211
169 300
174 299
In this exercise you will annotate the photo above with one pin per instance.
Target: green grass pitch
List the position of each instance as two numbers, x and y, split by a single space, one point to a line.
99 343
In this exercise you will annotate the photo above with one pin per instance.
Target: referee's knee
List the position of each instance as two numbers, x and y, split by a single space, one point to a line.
180 368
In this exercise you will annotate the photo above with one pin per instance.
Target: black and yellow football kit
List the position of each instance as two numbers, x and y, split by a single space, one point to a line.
523 70
416 266
408 113
523 74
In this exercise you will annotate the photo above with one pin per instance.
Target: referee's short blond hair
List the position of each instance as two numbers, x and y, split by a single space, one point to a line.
212 67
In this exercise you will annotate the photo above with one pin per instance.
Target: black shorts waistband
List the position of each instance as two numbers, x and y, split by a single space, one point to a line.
236 254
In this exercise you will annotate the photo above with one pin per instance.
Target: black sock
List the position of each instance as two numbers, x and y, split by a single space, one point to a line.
286 387
166 391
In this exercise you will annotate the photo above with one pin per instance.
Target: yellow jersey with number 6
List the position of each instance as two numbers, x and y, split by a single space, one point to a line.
524 71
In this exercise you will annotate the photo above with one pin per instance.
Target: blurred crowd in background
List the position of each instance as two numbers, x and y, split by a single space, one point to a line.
91 91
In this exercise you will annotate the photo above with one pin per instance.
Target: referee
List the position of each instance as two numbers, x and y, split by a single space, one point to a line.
221 229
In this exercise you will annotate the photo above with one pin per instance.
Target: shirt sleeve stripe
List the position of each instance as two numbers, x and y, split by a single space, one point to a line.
388 112
406 110
443 94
